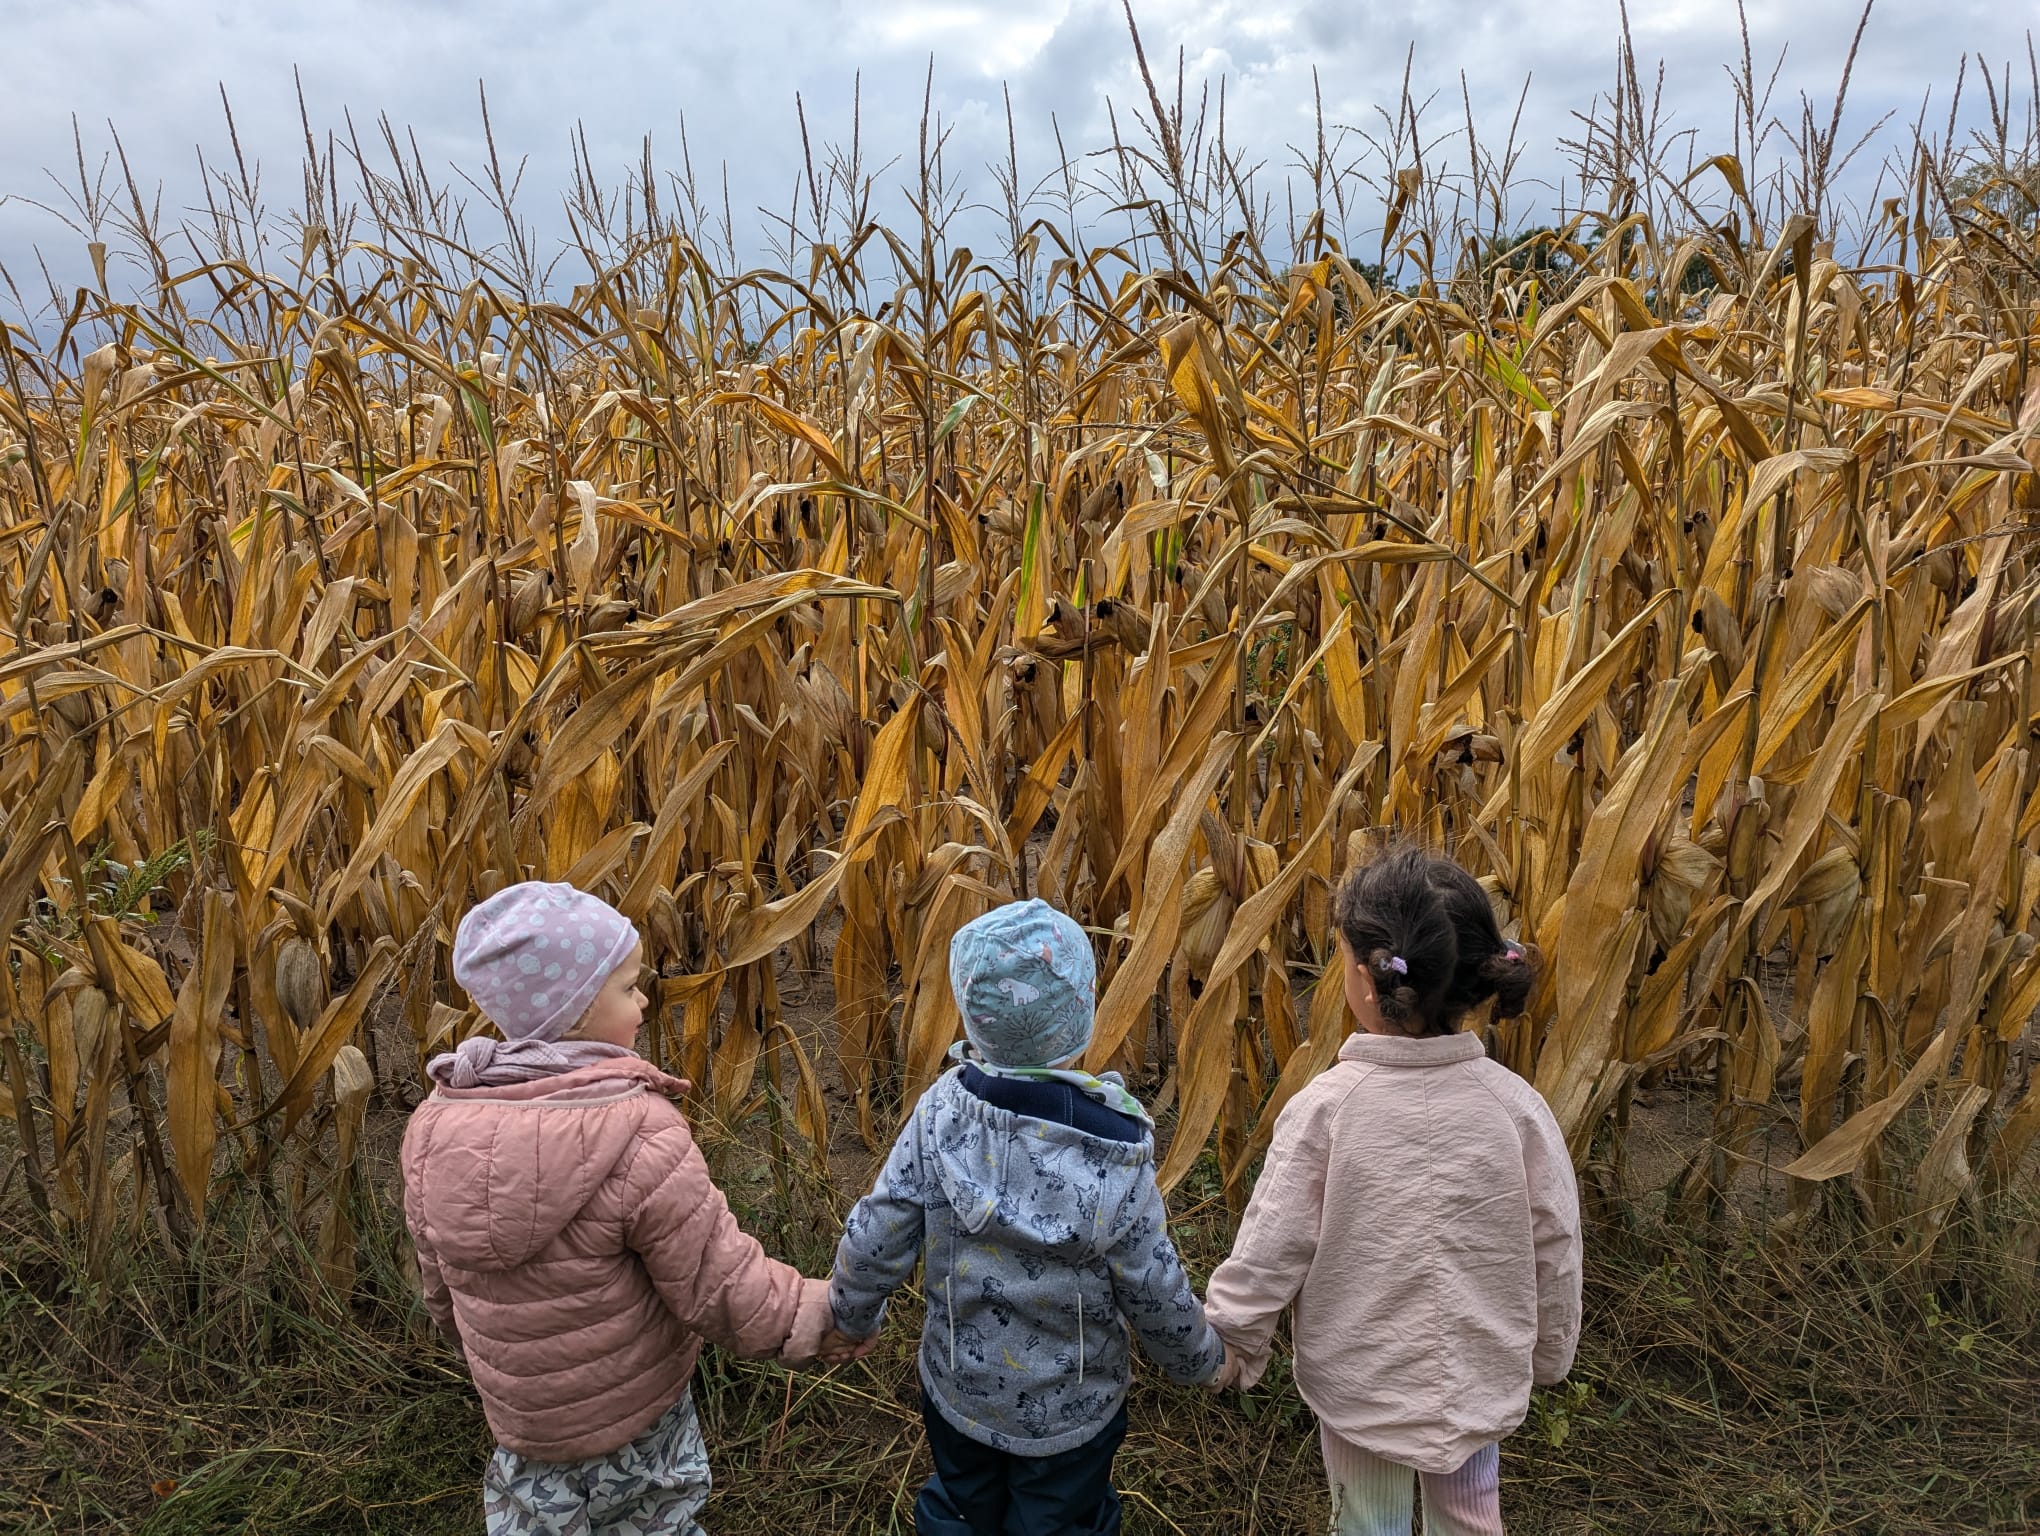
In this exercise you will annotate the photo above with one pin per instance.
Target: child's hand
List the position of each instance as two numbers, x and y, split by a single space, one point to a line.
1229 1373
839 1348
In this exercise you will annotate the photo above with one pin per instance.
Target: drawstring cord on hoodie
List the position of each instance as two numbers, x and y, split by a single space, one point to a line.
949 1281
947 1287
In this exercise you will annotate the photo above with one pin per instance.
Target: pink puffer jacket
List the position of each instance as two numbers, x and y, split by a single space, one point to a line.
568 1231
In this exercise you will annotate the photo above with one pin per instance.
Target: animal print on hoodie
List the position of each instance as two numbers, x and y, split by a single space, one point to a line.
1037 1240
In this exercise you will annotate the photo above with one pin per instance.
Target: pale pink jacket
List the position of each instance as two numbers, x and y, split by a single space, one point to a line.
1418 1210
568 1231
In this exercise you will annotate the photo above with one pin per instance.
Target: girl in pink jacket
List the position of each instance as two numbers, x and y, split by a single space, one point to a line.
569 1235
1418 1213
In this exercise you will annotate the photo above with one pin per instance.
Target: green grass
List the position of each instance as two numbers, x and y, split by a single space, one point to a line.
1796 1387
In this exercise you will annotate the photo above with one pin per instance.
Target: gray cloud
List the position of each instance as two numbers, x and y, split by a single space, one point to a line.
153 69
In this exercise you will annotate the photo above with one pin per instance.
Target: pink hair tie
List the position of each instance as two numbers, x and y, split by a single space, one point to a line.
1399 965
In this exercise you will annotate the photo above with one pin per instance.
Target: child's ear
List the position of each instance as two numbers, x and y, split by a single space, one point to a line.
1363 978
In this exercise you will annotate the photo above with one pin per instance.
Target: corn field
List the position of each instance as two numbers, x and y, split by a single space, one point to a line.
1676 576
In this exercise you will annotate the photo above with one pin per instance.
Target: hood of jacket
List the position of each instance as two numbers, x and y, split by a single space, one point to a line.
512 1166
1033 1184
1045 1255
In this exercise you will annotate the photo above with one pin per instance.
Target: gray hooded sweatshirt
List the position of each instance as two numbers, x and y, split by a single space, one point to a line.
1038 1239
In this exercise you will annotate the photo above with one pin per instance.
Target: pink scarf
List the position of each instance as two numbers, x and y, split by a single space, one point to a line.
483 1062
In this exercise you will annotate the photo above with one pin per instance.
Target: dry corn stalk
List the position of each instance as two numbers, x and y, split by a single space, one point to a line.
1701 629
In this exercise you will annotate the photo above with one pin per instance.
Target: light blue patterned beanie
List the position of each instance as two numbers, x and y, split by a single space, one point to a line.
1026 984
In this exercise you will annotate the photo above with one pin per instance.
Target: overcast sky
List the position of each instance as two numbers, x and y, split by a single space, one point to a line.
154 68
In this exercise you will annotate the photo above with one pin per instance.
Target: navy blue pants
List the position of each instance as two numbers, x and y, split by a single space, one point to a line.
977 1491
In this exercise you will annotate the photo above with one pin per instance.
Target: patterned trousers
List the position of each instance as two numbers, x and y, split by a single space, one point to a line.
1375 1497
655 1486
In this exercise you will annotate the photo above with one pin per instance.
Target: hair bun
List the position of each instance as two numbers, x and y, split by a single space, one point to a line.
1510 971
1397 929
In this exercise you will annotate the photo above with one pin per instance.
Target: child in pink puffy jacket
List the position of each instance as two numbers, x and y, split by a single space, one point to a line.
1419 1215
568 1233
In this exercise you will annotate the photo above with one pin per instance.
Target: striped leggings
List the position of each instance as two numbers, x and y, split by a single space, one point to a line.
1375 1497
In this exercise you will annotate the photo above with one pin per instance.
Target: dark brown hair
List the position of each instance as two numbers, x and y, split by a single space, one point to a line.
1426 932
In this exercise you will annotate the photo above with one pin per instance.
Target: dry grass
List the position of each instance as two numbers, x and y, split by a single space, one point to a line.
1722 1387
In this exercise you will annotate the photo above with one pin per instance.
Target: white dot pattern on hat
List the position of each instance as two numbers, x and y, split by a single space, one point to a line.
534 955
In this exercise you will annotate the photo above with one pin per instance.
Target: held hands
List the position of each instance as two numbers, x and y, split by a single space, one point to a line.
839 1348
1230 1372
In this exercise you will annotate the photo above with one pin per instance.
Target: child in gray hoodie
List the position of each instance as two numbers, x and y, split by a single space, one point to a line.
1027 1189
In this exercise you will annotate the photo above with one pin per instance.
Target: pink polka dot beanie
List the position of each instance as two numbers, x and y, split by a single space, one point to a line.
534 955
